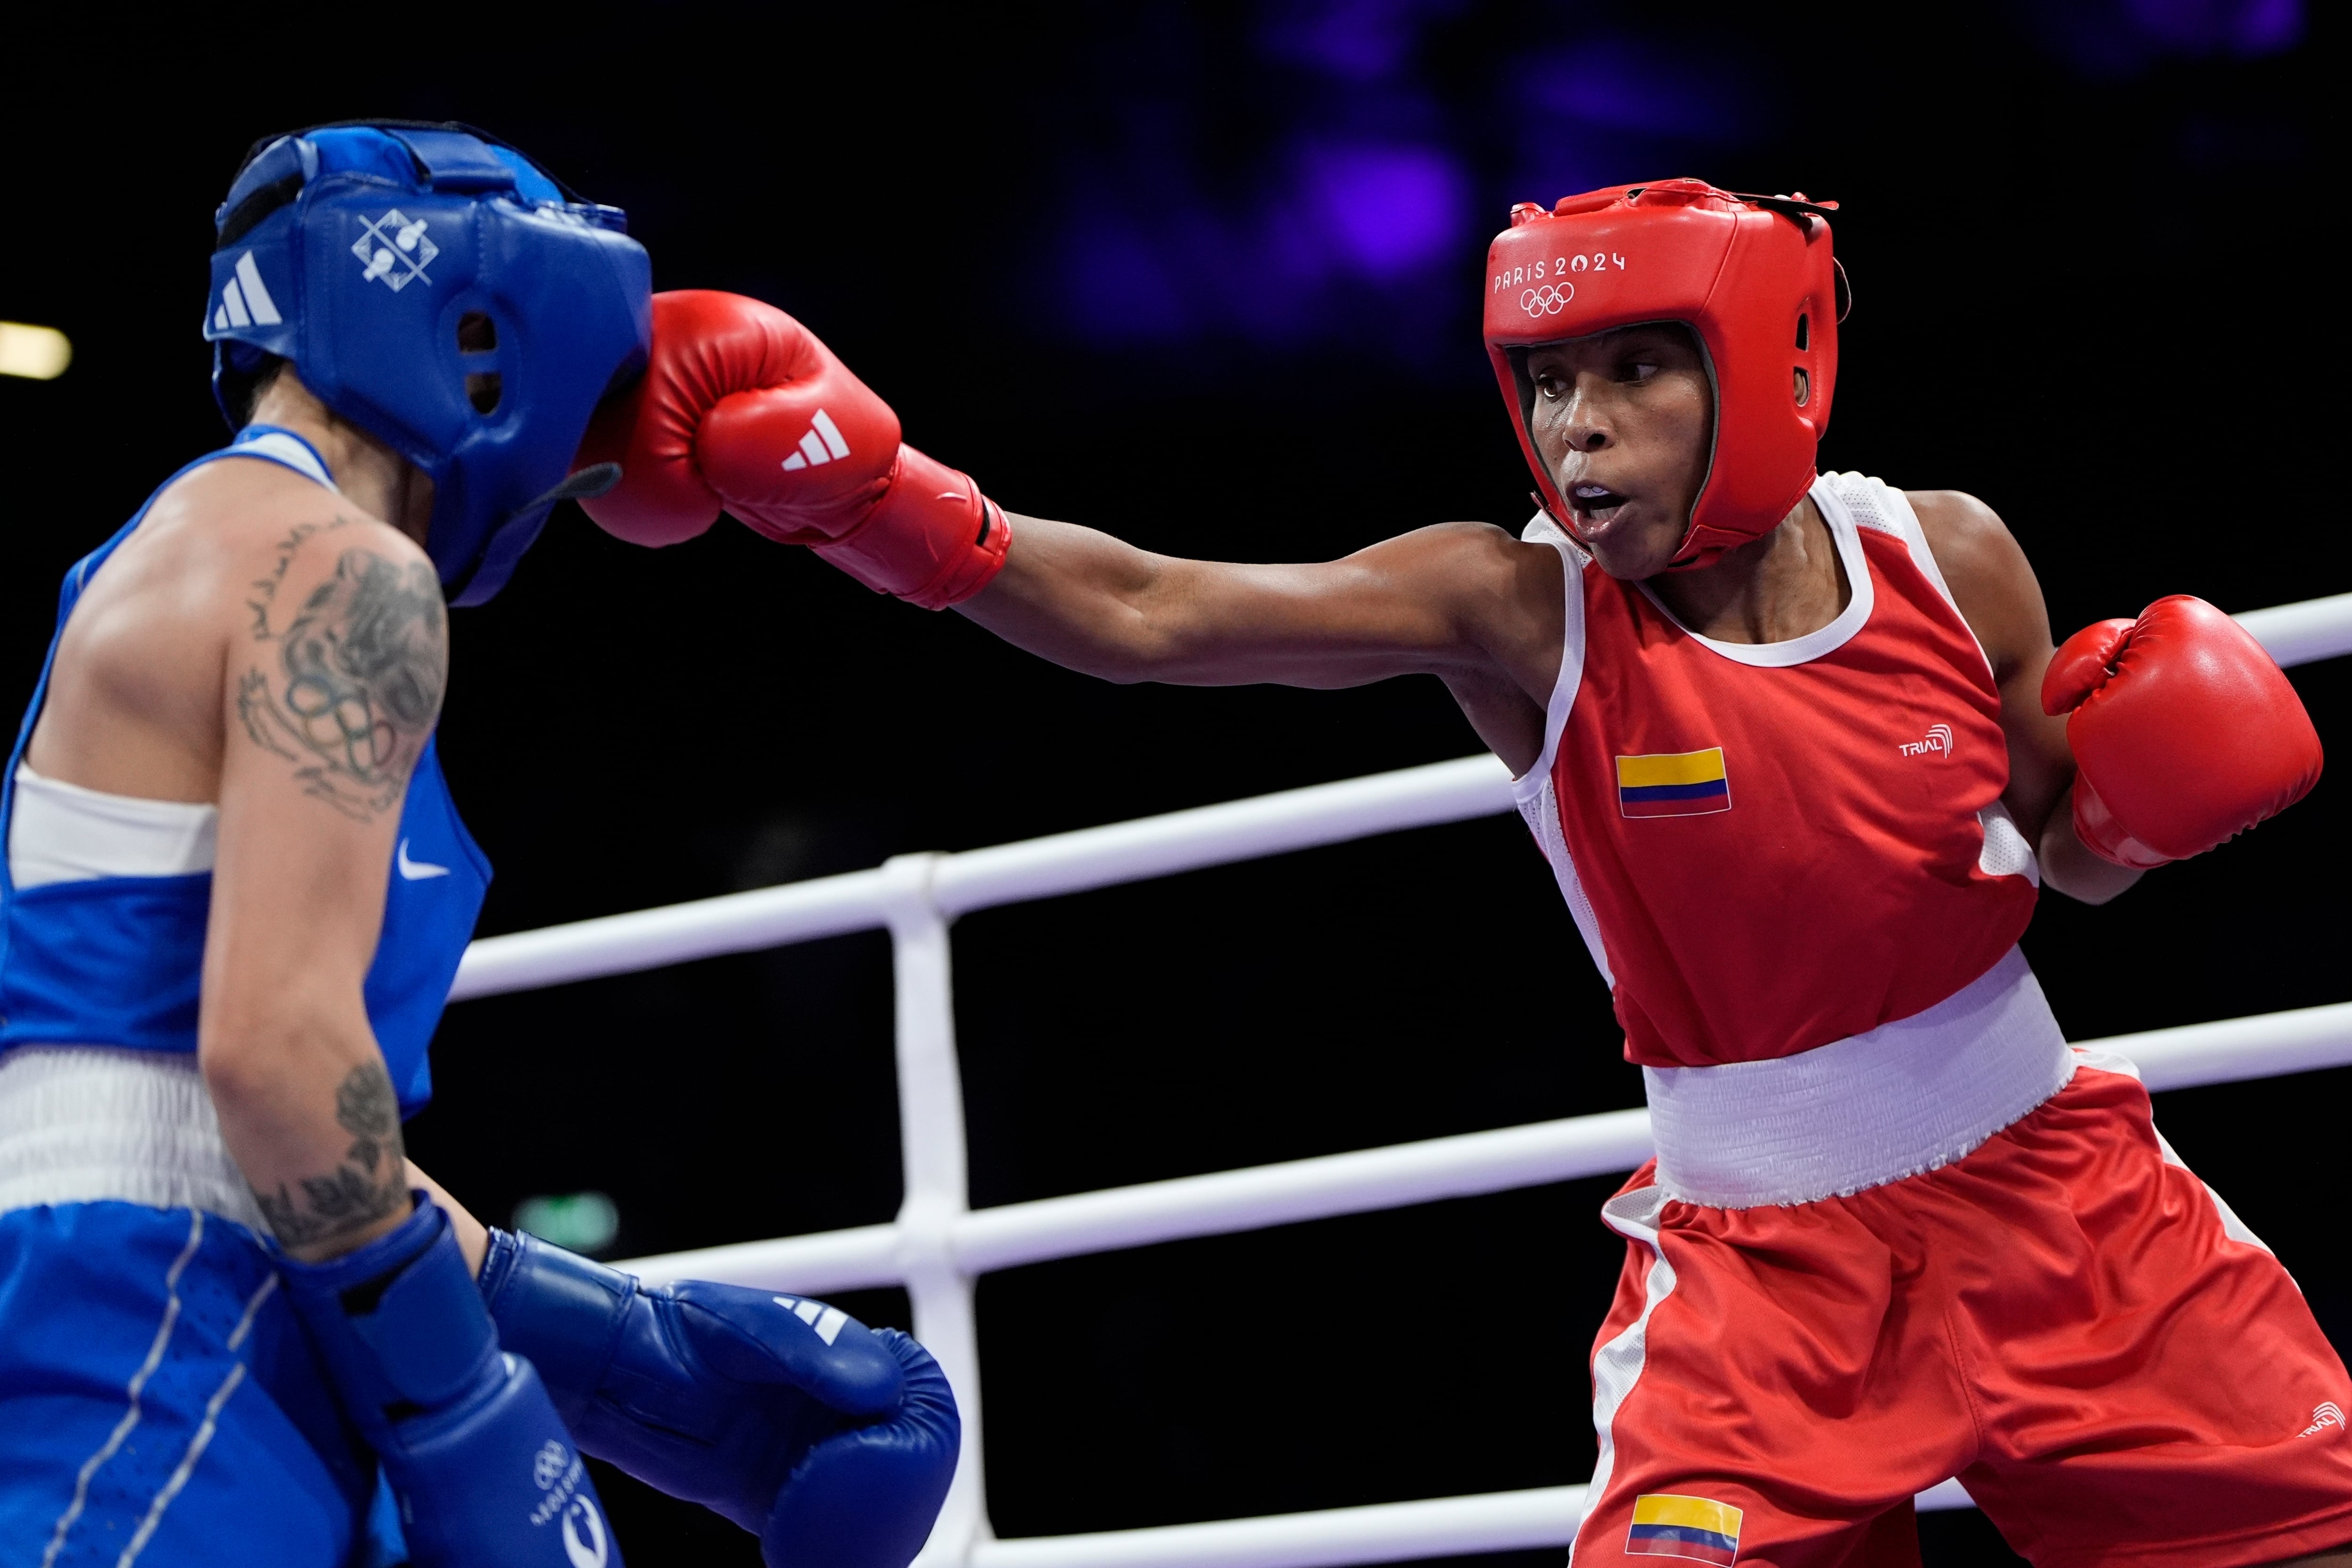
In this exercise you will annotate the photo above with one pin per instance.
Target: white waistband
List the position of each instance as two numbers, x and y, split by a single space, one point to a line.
87 1124
1905 1098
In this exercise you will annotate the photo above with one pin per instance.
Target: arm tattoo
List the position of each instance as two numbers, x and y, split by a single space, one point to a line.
370 1182
361 669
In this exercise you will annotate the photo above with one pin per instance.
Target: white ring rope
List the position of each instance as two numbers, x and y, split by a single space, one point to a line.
939 1243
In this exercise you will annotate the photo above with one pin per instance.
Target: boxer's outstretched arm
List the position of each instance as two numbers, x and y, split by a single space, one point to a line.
1452 599
1464 601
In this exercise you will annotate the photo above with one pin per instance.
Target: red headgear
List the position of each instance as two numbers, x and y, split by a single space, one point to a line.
1752 275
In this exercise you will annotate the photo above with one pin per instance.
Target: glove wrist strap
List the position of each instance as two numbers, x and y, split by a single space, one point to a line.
2106 838
561 1312
932 539
392 1321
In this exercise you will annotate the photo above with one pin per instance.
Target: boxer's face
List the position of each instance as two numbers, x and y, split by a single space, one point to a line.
1622 419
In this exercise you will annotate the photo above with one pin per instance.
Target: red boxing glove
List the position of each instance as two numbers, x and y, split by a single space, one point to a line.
2185 732
741 409
731 360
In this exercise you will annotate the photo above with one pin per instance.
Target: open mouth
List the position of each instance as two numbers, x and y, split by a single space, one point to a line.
1596 506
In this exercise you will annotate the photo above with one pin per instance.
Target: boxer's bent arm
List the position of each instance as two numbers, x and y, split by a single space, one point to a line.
2000 599
1442 599
2068 865
331 686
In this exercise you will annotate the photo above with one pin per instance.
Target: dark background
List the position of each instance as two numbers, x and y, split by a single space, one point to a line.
1207 275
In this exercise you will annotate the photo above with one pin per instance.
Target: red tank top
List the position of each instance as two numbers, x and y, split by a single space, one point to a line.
1772 846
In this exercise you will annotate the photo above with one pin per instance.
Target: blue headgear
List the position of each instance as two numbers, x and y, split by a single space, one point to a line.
441 292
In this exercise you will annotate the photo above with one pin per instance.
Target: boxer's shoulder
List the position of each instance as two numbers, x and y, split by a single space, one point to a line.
225 535
231 509
1480 564
1977 554
1959 525
228 553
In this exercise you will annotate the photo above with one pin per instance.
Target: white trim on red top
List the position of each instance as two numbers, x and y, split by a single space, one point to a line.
1861 598
1533 790
1875 503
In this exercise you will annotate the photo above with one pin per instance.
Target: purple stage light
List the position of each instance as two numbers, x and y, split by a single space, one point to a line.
2122 37
1354 40
2245 27
1615 107
1389 210
1634 86
1269 269
1118 288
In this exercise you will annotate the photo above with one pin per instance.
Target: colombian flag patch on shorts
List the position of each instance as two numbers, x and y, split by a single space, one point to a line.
1674 784
1698 1528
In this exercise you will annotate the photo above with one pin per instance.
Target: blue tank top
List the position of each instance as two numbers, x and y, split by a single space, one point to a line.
118 960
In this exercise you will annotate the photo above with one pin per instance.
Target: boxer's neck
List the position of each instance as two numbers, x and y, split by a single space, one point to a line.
375 478
1783 586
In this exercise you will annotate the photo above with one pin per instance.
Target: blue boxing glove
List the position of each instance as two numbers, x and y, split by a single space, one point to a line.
481 1464
831 1442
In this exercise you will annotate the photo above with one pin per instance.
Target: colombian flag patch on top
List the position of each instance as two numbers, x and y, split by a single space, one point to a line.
1697 1527
1673 784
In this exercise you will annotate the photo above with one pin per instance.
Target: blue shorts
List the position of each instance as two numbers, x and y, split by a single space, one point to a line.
160 1405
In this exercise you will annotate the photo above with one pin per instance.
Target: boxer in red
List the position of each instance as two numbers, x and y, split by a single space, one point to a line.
1800 754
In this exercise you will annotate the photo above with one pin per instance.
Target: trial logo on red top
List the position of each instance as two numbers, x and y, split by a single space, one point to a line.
1674 784
1939 742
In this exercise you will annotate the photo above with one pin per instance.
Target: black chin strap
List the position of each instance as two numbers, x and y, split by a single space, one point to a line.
523 525
1786 206
596 479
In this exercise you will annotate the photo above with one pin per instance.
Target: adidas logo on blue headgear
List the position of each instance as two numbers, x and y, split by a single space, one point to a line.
439 290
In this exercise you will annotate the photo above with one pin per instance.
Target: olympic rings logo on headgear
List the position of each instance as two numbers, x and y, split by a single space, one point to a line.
1548 300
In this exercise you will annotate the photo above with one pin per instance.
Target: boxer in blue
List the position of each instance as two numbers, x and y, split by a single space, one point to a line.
237 1324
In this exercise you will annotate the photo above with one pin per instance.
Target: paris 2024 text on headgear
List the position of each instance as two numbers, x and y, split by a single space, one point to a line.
442 292
1753 276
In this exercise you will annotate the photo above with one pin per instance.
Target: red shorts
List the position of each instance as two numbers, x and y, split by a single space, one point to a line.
2064 1319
